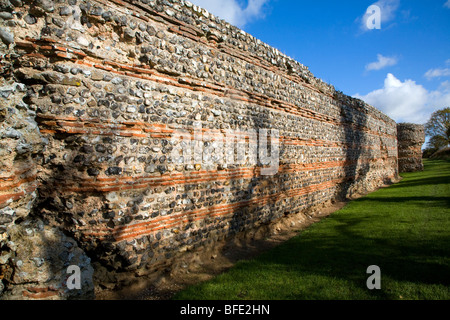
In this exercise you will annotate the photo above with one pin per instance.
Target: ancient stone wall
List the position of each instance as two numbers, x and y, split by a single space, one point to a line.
411 138
93 94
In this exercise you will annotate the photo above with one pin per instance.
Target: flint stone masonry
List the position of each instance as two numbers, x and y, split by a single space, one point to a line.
39 257
92 93
411 138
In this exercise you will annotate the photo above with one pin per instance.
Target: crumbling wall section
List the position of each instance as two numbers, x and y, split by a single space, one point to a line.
411 138
34 257
112 84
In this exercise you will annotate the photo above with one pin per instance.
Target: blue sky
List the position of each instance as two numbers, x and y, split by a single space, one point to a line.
402 69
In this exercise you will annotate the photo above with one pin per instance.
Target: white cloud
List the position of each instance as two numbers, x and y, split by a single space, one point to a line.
381 63
445 86
437 73
407 101
388 9
447 4
232 12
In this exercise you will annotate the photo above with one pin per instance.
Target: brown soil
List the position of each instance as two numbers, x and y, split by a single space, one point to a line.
205 263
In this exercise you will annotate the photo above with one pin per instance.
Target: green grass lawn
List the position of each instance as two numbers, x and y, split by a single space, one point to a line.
403 229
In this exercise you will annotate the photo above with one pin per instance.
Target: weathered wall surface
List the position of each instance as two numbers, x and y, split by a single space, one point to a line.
411 138
33 256
93 92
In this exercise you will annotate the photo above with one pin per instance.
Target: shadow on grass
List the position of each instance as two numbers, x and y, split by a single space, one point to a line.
344 258
424 201
423 182
332 266
329 260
